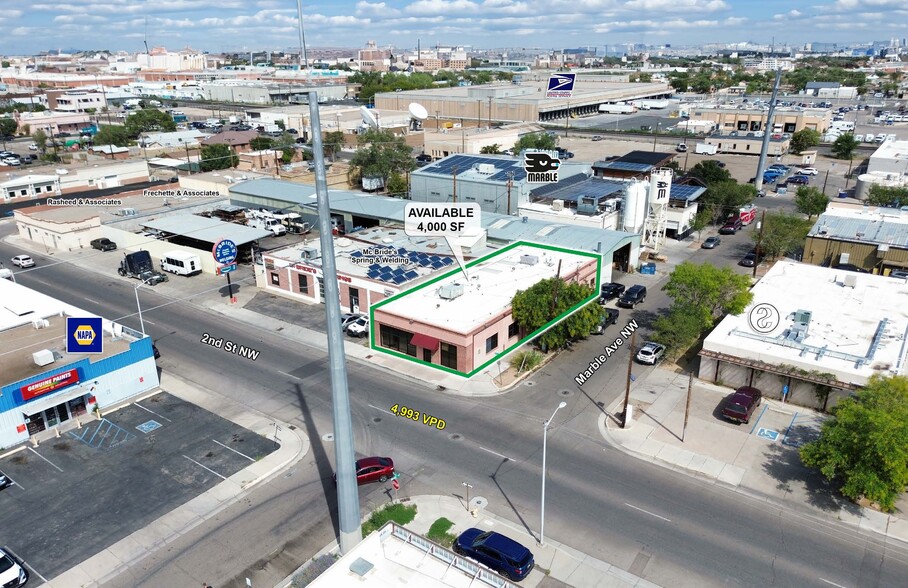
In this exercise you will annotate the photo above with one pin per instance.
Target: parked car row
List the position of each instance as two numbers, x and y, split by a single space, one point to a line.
355 324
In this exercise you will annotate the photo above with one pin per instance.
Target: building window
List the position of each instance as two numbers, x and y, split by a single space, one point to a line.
397 340
448 356
304 283
275 279
492 343
513 330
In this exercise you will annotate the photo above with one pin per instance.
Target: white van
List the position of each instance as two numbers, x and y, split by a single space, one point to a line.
181 263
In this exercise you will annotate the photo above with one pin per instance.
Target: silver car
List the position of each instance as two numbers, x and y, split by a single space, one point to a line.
23 261
650 353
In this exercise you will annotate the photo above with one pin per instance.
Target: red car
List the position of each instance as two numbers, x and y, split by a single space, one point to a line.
372 469
740 407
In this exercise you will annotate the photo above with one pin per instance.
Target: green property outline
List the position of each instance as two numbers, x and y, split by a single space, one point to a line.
536 333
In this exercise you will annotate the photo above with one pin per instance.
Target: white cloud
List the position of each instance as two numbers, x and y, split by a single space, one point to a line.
375 9
677 5
432 7
788 15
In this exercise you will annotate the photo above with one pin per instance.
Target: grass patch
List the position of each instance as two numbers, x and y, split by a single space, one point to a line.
438 532
399 513
526 361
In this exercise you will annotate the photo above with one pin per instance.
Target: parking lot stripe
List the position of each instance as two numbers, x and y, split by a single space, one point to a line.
203 467
830 583
153 412
233 450
754 428
648 512
44 458
788 430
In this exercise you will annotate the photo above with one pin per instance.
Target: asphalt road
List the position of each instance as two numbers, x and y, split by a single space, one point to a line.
664 526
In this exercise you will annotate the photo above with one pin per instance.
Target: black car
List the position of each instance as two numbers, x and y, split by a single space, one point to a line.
609 291
103 244
749 260
5 482
634 295
502 554
154 349
609 318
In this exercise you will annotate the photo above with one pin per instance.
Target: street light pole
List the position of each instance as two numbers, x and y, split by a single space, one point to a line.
139 306
545 430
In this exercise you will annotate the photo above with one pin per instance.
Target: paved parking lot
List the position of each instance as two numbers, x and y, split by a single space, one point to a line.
78 494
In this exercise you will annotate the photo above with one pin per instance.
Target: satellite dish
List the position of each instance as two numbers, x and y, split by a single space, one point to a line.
418 111
368 117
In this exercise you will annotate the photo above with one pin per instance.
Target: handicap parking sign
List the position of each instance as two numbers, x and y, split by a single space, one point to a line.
767 434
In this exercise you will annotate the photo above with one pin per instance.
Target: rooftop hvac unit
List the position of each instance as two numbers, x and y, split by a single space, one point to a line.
43 357
851 281
802 316
557 205
797 332
486 168
309 253
588 205
529 259
451 291
40 323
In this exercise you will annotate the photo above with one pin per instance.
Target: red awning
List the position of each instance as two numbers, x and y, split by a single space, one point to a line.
424 341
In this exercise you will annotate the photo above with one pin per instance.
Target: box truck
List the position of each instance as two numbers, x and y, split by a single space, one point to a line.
181 263
617 108
706 149
272 224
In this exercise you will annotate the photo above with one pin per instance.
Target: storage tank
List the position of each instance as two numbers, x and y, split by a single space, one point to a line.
633 206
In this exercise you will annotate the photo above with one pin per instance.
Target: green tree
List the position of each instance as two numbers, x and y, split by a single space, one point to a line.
382 154
865 443
535 141
708 291
804 139
149 120
332 143
782 233
540 304
40 139
723 199
8 127
281 125
261 143
892 197
112 135
492 149
217 157
710 172
845 146
397 185
679 330
700 221
810 201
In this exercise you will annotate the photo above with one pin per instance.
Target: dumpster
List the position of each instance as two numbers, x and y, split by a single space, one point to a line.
648 268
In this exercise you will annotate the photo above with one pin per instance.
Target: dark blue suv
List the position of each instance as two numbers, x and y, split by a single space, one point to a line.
502 554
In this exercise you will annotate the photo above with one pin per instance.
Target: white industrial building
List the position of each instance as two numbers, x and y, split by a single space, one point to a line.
810 328
888 167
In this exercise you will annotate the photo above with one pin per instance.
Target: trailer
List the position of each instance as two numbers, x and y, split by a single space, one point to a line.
706 149
747 214
617 108
651 104
138 265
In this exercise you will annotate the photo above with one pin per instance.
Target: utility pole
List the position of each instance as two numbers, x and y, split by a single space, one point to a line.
454 175
567 118
510 183
304 63
627 389
759 242
690 384
767 132
347 492
824 182
490 112
555 293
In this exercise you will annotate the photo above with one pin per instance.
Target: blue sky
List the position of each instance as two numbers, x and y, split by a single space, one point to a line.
235 25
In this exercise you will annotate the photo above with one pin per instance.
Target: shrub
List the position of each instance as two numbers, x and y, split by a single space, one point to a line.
399 513
438 532
525 361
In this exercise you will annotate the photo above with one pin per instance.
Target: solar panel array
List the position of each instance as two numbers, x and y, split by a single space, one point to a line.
683 192
464 163
559 185
571 191
401 274
627 166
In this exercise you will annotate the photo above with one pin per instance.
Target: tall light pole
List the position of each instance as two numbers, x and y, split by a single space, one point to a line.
304 63
139 306
545 430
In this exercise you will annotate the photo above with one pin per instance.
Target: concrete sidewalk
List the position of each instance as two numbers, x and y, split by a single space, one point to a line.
759 459
554 561
293 446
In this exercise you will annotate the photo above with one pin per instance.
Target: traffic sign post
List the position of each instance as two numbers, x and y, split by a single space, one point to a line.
225 253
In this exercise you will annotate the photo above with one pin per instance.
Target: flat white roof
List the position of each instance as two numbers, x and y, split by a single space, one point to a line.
493 284
846 322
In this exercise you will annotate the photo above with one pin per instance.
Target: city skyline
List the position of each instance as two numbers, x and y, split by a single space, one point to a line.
235 25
